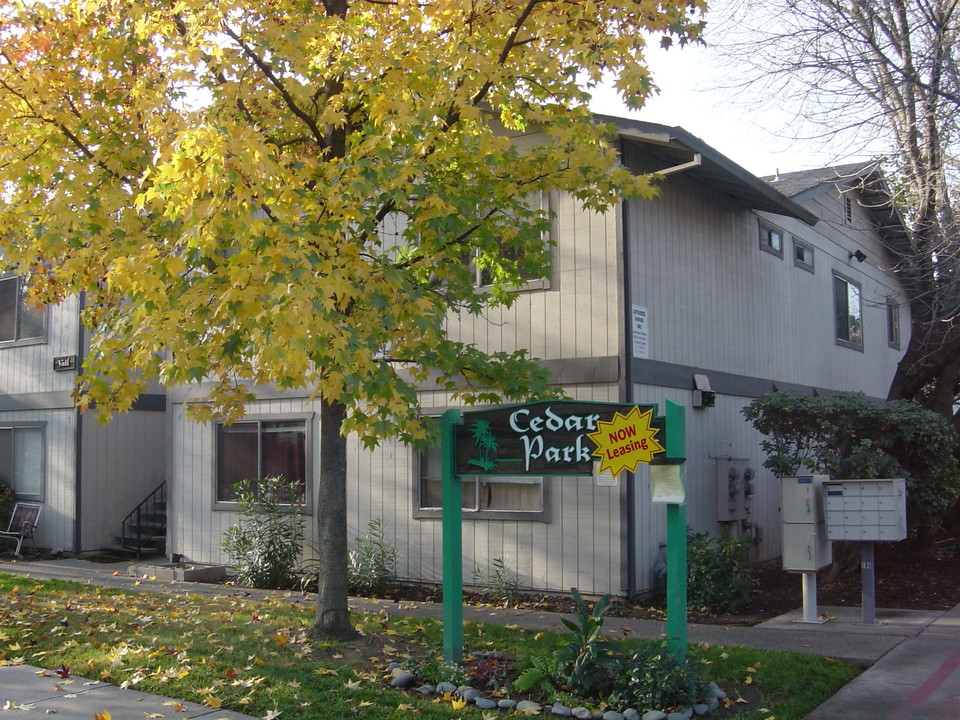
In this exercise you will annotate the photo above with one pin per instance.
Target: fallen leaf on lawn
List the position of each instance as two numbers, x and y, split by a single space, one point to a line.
271 715
211 702
365 703
352 685
458 704
324 671
748 680
293 683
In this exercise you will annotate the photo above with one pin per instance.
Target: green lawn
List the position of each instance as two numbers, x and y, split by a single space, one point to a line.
254 656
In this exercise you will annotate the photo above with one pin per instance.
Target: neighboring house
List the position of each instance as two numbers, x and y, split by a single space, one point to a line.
87 475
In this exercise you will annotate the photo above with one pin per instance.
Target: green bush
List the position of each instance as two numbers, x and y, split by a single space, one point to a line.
847 435
264 548
502 585
372 562
7 500
719 575
652 679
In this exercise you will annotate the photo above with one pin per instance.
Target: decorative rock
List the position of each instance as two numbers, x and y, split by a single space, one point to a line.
403 680
426 690
468 693
654 715
485 703
677 716
393 666
596 715
631 714
506 704
700 709
713 703
561 710
581 713
528 705
445 687
612 715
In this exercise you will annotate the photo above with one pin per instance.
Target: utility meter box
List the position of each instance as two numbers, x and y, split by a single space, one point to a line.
806 547
866 510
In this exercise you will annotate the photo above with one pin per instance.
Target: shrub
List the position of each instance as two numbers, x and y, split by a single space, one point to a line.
588 660
502 585
652 679
847 435
372 563
7 500
265 546
719 574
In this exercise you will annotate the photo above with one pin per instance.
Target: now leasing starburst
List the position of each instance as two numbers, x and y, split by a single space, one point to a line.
625 442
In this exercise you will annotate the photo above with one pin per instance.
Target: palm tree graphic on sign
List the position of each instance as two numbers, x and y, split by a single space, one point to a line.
486 443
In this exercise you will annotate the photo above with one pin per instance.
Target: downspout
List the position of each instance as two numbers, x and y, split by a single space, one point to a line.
626 390
78 434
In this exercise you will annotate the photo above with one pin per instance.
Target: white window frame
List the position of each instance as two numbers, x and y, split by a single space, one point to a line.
15 429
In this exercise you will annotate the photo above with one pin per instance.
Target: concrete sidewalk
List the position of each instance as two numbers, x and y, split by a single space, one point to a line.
913 656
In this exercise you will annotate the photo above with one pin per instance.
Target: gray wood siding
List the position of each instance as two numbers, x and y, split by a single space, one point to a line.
122 463
717 301
28 369
578 316
56 528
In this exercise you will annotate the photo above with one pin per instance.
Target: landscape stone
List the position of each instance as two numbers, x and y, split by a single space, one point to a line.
403 680
506 704
445 687
485 703
701 709
631 714
426 690
468 693
677 716
612 715
528 705
581 713
561 710
654 715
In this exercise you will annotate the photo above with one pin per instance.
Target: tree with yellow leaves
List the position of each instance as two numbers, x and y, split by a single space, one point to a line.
284 192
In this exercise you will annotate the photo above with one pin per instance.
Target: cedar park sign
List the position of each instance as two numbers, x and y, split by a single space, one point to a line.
555 438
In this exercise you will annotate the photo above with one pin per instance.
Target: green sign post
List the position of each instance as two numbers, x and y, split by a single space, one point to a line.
557 438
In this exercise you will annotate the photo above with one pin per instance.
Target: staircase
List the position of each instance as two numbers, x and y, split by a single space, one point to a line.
145 529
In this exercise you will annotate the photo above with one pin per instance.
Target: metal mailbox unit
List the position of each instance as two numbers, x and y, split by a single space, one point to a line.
806 547
866 510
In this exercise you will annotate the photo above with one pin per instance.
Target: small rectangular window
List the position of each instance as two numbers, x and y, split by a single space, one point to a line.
482 497
21 461
771 239
256 449
848 312
802 255
19 321
893 323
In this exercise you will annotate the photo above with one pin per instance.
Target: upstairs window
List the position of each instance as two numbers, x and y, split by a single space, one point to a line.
482 276
256 449
802 255
771 239
18 320
848 312
893 323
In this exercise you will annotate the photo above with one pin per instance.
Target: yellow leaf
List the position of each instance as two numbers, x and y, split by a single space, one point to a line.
324 671
458 704
105 715
211 702
152 716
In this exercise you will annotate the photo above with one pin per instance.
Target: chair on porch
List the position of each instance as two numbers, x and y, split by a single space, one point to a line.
23 521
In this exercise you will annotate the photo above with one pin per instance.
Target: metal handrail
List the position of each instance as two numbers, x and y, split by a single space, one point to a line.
149 506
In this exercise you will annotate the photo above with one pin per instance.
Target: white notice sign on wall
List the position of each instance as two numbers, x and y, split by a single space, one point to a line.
641 347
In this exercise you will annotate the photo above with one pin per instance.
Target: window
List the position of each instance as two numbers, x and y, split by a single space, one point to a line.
802 255
848 312
492 497
255 449
771 239
536 201
893 323
21 460
18 320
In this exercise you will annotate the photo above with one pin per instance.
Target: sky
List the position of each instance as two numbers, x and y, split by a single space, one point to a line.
729 121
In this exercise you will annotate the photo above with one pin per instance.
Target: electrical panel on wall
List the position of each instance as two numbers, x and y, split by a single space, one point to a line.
735 487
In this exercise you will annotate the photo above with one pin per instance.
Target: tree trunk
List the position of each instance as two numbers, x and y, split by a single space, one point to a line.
333 615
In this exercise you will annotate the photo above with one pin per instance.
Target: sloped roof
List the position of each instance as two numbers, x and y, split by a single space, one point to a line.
865 178
674 146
